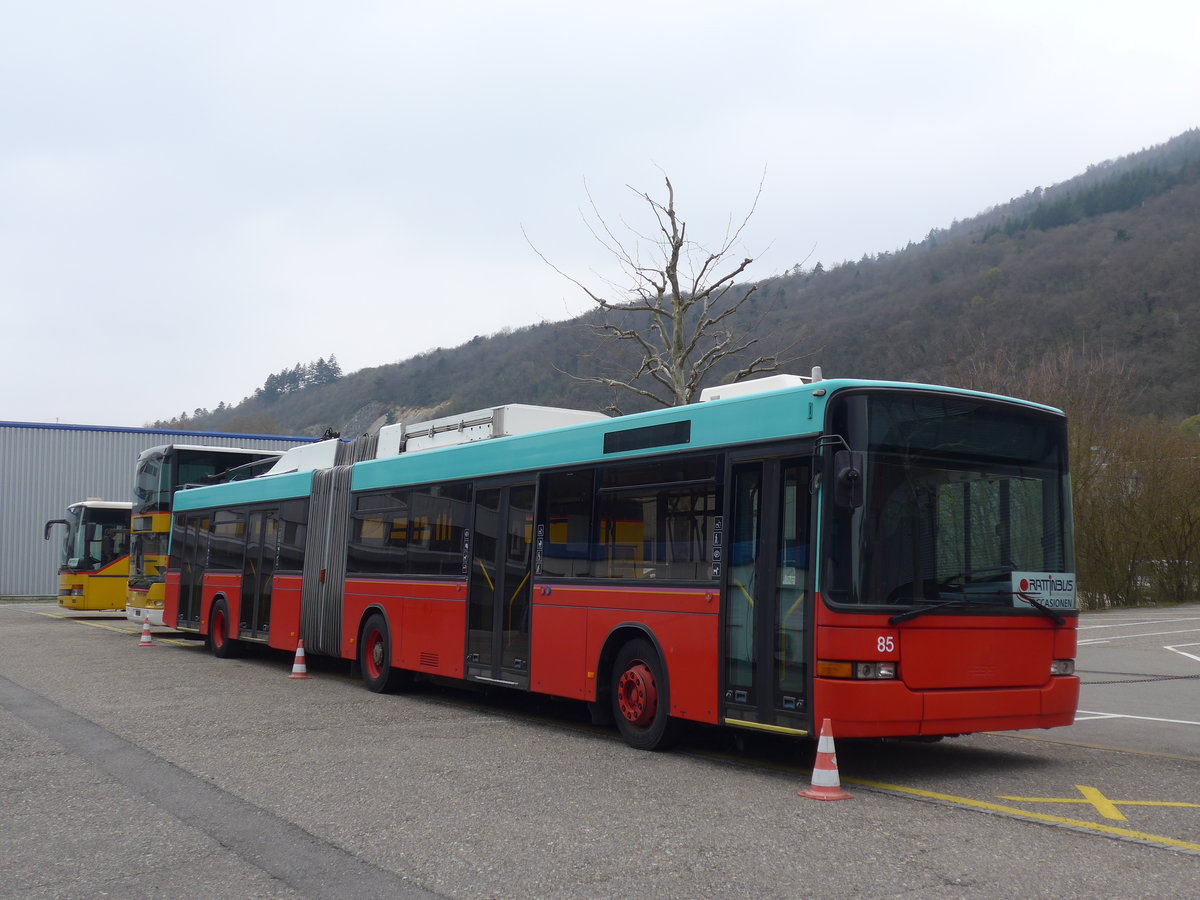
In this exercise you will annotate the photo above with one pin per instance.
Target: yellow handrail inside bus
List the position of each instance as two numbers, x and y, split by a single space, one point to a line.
741 587
483 569
511 601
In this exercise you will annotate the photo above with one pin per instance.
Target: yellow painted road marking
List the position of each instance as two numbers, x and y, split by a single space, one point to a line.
1112 830
1105 806
1102 803
100 624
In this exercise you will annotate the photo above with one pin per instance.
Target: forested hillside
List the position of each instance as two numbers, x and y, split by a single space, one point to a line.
1105 267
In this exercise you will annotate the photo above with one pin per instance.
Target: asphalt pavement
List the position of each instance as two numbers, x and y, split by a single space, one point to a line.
159 771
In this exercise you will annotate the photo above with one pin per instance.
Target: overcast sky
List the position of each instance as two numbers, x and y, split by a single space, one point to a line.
194 195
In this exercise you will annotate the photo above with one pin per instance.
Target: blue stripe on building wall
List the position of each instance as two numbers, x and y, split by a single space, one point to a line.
54 426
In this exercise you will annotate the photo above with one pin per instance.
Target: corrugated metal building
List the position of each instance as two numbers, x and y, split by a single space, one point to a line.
43 468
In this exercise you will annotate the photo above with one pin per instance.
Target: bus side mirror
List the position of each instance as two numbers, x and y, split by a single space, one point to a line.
847 479
51 524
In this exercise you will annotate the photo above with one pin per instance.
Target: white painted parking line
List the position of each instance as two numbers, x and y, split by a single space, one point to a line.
1121 637
1084 715
1162 621
1176 649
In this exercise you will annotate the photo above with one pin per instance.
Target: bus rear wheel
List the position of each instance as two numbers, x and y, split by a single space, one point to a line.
375 658
640 701
219 641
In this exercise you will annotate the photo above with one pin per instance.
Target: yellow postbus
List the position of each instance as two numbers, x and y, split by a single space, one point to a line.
94 571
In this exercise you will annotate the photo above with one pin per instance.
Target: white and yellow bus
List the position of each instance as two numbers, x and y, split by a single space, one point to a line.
94 571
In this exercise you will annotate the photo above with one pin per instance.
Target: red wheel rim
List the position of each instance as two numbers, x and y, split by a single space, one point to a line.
218 629
374 654
637 695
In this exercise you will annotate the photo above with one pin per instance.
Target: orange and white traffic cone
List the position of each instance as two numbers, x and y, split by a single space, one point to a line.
146 640
299 667
825 782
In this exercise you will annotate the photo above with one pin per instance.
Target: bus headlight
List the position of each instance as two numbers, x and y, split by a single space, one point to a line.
1062 667
877 671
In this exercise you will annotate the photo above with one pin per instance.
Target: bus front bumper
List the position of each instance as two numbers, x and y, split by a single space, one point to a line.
891 709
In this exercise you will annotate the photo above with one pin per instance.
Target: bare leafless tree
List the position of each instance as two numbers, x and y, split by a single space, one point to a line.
678 306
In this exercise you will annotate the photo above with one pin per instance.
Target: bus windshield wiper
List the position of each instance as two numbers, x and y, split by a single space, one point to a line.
922 610
978 576
1043 608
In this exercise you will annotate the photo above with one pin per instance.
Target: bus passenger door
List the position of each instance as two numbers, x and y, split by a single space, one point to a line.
193 556
766 641
258 573
498 600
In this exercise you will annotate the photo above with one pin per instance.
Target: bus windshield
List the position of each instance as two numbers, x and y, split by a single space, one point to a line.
96 536
162 470
965 504
153 485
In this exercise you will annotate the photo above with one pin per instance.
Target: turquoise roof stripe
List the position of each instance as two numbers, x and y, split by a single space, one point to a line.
756 418
716 423
252 490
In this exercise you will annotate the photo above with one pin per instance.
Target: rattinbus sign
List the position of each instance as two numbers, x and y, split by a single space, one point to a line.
1055 590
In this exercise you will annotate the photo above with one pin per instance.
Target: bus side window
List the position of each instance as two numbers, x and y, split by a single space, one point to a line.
380 534
568 519
227 542
294 516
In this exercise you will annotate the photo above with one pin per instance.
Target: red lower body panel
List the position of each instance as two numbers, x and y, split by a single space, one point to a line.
890 709
573 625
427 622
285 612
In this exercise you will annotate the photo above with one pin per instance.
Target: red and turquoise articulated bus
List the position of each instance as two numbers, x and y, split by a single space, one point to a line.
896 558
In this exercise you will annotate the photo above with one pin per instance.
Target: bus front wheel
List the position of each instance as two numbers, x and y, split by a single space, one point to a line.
640 701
